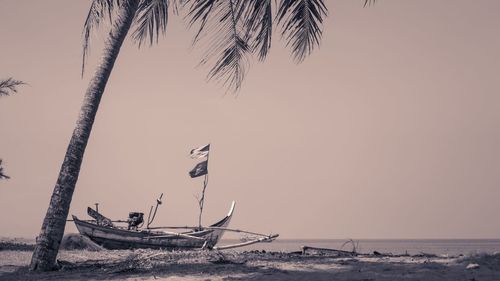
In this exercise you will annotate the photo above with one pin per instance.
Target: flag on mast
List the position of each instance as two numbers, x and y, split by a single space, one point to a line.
199 170
200 152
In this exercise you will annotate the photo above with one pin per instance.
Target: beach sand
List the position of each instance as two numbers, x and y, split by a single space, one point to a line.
255 265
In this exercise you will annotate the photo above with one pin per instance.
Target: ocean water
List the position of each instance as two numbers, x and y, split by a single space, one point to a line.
451 247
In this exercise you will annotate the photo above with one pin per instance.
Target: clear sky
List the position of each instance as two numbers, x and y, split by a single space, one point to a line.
390 130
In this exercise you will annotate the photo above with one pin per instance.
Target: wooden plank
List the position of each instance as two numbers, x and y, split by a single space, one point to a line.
101 220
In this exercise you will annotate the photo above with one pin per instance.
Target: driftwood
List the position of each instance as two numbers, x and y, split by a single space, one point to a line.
374 254
339 252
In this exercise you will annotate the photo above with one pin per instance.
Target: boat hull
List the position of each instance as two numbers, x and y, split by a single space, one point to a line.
114 238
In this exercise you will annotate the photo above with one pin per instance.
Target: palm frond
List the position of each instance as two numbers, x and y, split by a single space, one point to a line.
219 26
199 13
151 20
258 20
2 176
175 5
301 25
9 86
369 2
99 11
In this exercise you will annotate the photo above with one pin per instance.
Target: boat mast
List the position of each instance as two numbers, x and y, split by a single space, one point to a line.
201 202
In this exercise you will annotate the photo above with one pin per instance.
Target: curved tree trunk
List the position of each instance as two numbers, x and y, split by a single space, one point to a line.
52 231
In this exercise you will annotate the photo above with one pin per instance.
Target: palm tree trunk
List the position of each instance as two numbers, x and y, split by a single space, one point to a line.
52 231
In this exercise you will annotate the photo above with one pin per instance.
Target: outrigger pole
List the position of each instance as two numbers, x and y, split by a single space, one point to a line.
218 228
269 238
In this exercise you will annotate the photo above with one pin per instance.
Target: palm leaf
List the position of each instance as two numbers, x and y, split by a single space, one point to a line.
9 86
175 5
302 28
151 20
369 2
258 20
2 176
99 10
199 12
220 28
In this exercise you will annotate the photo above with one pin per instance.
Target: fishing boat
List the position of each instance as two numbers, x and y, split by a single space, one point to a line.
108 235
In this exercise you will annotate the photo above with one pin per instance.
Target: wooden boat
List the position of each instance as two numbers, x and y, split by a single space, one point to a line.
102 230
114 237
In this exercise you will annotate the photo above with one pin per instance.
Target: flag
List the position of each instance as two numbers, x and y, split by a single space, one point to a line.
199 170
200 152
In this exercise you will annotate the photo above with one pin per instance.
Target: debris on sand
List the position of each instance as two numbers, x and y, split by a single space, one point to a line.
472 266
252 265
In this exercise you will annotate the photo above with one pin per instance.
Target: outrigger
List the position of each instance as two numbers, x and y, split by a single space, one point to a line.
106 233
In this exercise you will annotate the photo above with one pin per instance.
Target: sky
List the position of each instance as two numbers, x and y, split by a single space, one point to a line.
389 130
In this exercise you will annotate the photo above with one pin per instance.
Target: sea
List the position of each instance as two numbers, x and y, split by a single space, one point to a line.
441 247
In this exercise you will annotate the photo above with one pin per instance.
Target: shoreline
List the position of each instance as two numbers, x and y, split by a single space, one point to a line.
450 247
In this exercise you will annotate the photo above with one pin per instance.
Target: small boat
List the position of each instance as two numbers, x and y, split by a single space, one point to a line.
104 232
114 237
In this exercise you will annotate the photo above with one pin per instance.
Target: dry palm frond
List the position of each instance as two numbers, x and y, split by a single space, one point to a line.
9 86
151 20
2 176
99 10
222 30
301 25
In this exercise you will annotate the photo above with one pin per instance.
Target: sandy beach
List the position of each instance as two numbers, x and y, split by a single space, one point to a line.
347 140
251 265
